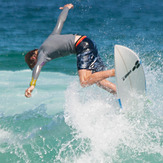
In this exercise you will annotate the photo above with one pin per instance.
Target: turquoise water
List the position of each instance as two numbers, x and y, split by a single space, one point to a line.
62 122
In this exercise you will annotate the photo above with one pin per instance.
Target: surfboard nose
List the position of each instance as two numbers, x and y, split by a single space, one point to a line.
116 46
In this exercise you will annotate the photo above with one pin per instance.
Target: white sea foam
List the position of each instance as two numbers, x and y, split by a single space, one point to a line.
49 91
111 133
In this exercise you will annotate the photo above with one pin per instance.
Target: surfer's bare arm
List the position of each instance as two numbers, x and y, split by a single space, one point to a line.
62 18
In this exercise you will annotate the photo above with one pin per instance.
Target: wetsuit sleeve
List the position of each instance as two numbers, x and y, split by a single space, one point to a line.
61 20
36 71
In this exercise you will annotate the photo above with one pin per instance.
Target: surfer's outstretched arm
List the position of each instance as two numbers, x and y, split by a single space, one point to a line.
41 61
62 18
36 62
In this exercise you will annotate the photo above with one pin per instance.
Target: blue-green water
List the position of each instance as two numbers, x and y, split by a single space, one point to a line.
62 122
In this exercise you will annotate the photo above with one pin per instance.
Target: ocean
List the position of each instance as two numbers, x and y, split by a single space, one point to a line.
62 122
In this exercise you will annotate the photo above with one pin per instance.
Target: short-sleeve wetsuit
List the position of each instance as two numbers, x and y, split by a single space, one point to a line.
57 45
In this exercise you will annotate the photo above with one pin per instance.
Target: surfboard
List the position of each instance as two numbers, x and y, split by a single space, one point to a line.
129 74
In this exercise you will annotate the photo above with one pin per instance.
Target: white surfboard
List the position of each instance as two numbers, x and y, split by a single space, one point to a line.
129 74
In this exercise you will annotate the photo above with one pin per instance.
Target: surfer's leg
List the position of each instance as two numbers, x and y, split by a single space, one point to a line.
107 85
88 78
91 69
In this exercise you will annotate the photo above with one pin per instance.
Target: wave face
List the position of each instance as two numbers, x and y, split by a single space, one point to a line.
66 123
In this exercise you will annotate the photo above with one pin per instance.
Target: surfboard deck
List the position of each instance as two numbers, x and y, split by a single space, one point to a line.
129 74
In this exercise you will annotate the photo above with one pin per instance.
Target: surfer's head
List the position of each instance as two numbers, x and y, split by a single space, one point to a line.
31 58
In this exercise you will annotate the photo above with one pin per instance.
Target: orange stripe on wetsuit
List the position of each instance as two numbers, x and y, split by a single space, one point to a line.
80 40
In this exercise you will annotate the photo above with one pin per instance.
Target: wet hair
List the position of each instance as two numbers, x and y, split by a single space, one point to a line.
30 63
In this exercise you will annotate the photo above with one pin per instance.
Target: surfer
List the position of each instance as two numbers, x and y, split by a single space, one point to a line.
89 64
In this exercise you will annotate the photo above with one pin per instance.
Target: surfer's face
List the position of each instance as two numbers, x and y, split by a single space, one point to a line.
33 59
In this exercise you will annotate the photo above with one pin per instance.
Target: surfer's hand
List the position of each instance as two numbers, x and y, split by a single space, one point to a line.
29 91
70 5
